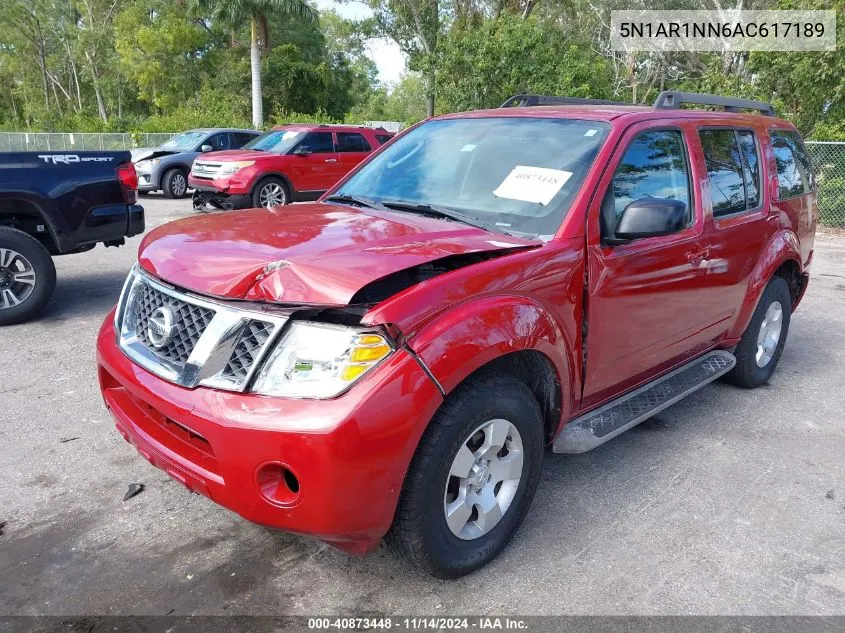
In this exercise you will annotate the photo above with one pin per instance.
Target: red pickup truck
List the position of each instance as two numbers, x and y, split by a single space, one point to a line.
393 359
290 163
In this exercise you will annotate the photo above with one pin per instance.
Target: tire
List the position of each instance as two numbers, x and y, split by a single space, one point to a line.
756 358
423 536
268 188
174 183
24 258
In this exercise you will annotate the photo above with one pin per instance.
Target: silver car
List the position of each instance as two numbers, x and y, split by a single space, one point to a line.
167 167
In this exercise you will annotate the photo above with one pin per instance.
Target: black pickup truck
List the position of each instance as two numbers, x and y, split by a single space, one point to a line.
57 204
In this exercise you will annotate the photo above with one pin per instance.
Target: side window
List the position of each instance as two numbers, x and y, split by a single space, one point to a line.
795 173
352 142
654 166
750 166
733 170
239 139
218 141
383 138
319 142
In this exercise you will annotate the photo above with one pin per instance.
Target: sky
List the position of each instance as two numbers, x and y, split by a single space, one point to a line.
384 52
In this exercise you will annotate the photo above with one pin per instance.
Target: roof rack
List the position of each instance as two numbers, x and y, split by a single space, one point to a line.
671 99
521 101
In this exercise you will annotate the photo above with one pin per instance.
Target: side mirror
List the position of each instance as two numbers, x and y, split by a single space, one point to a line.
303 150
206 148
650 217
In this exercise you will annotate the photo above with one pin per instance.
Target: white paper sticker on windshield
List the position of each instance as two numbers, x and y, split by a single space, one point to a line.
532 184
468 147
590 132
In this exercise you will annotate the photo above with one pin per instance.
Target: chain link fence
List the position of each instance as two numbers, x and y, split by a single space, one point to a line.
828 158
829 161
73 141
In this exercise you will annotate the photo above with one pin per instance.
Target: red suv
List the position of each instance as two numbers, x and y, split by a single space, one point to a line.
291 163
394 358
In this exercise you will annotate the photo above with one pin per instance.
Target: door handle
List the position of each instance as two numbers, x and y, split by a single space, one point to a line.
331 160
699 256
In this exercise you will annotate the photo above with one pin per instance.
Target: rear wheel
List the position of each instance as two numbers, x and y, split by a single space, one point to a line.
472 477
270 192
762 343
174 183
27 276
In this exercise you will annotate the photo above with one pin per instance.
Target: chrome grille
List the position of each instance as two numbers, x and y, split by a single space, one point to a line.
202 169
247 351
209 343
190 322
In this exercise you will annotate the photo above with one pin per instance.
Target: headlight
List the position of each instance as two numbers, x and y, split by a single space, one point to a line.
319 361
120 308
148 164
230 168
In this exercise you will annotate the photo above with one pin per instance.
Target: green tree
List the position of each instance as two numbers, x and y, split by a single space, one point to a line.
162 51
235 13
416 26
482 66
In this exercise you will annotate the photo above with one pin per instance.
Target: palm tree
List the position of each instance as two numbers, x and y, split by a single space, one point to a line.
233 14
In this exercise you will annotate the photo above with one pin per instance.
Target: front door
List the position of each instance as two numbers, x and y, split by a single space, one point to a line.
311 171
648 298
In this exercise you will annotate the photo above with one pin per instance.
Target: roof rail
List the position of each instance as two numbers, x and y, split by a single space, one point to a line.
671 99
520 101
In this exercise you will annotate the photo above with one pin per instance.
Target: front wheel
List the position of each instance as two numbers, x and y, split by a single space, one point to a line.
27 276
174 183
269 193
472 477
762 343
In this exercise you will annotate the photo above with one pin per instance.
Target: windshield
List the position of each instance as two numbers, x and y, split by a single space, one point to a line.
515 175
276 141
184 142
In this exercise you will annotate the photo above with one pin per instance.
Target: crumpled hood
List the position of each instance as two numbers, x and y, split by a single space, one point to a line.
143 153
318 254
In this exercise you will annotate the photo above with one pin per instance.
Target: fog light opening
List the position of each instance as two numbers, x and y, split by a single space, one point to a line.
290 480
278 484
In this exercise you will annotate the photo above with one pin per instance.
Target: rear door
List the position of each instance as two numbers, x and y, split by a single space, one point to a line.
648 306
739 224
352 148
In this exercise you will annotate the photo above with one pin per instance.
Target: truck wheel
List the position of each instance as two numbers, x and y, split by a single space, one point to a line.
472 477
762 343
174 183
270 192
27 276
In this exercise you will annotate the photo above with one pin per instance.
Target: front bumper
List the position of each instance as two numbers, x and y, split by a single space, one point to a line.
147 182
349 455
206 193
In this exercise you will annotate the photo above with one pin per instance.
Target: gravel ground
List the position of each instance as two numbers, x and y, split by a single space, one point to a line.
730 502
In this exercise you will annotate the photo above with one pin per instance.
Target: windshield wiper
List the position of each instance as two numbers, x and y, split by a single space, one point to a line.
427 209
356 200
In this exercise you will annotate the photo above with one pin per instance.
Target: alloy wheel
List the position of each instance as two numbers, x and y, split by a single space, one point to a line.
483 479
769 334
17 278
178 185
272 195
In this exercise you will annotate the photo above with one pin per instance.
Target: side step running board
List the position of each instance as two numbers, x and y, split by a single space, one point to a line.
600 425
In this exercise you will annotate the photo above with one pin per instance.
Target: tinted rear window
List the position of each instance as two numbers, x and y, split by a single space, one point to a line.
352 142
795 173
